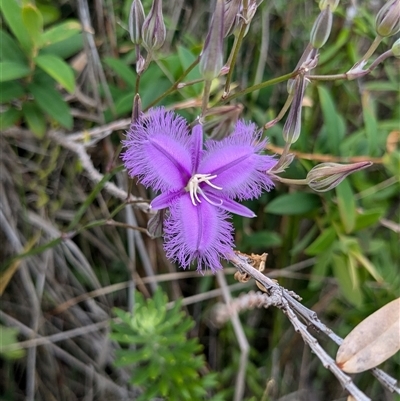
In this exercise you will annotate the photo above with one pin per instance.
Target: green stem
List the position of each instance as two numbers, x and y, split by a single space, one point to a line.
260 86
232 63
175 85
291 181
372 48
206 97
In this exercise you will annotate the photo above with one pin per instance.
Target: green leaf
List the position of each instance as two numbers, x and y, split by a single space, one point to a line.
66 48
60 32
35 118
10 90
13 15
320 269
9 337
58 69
33 22
368 218
323 242
347 206
333 124
341 270
370 121
52 103
126 73
9 49
262 239
49 13
10 70
8 118
293 204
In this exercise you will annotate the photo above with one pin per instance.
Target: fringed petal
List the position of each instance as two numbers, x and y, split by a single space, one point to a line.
196 146
230 205
165 199
158 151
197 232
241 171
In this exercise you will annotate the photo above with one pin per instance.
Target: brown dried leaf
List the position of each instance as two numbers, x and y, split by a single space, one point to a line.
373 341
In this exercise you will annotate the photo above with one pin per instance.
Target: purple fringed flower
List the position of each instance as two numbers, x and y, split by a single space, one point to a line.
197 185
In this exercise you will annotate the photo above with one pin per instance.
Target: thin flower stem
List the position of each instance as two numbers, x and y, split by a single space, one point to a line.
283 111
379 60
291 181
232 63
175 85
206 96
282 158
382 57
372 48
262 85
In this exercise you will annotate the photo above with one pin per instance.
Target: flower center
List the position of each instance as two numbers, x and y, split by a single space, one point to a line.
193 187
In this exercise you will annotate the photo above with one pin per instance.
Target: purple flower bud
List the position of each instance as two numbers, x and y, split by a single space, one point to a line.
211 60
136 109
153 31
387 22
322 28
292 127
231 16
396 48
326 176
136 19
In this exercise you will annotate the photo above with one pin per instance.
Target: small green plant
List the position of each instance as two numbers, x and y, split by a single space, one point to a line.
165 362
32 63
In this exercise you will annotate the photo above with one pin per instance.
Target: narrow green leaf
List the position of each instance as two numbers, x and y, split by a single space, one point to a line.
50 13
66 48
342 273
320 269
10 70
368 218
60 32
13 15
89 200
9 49
333 124
293 204
35 118
347 206
33 22
8 118
126 73
370 121
10 90
322 242
58 69
52 103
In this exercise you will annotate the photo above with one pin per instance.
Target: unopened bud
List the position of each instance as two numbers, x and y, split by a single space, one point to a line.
396 48
231 15
220 120
387 22
136 109
322 28
292 127
211 58
136 19
153 31
323 4
326 176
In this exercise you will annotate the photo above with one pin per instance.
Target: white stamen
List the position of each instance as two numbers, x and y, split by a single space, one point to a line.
193 187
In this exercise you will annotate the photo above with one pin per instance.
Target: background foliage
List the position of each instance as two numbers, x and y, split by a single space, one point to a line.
67 67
